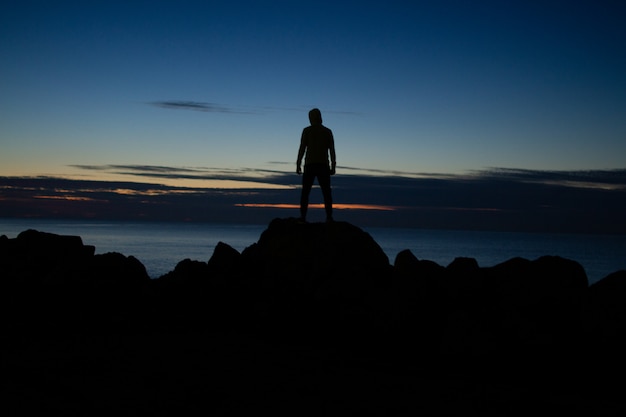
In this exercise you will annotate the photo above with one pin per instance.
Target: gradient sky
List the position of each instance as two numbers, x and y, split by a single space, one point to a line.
421 87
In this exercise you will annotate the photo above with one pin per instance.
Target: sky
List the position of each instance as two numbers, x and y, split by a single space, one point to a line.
212 94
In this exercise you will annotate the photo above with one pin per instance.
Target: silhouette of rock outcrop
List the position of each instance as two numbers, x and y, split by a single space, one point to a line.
312 318
607 313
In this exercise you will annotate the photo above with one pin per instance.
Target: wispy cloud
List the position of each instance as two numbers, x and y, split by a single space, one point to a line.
199 106
205 173
198 177
614 179
208 107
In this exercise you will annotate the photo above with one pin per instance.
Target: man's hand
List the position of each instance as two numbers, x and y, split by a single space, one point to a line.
332 169
298 170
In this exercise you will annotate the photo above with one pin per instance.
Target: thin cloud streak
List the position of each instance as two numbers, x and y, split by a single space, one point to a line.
614 179
201 178
199 106
207 107
181 172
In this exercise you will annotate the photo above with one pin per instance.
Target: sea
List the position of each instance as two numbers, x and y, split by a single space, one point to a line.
160 246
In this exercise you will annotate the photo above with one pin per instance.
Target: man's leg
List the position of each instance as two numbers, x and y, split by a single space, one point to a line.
324 181
307 184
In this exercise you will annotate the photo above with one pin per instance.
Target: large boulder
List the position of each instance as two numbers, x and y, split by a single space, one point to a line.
118 269
321 280
605 333
464 283
38 256
50 259
606 315
225 260
54 283
537 304
417 301
467 331
327 257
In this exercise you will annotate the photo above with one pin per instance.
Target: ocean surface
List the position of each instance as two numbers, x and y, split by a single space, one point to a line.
160 246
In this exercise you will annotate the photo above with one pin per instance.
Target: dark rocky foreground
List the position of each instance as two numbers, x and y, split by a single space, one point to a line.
312 320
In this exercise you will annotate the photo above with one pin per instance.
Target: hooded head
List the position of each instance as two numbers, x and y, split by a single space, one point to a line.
315 117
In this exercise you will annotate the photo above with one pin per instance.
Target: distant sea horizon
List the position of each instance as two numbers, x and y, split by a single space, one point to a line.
159 246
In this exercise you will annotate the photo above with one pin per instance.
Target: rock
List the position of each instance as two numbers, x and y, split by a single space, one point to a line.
187 272
419 282
319 281
118 269
329 258
38 256
407 264
536 304
314 310
55 285
225 260
465 282
463 265
418 302
607 311
467 333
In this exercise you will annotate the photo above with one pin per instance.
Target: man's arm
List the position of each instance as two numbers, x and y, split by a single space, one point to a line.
333 157
300 154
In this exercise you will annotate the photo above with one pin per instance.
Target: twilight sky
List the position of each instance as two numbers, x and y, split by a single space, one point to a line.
408 87
445 86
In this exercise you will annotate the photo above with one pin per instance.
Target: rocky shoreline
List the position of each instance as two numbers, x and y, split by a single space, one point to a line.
313 319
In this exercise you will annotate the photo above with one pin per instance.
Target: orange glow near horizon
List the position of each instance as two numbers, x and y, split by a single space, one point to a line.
128 191
321 206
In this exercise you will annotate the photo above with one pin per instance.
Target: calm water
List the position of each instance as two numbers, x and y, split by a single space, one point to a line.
160 246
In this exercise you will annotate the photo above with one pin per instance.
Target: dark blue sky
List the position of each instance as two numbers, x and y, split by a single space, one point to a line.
432 87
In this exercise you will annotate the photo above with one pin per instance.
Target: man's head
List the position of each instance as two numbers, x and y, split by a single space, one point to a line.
315 117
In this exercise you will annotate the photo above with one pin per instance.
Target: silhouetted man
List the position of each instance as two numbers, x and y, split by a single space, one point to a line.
317 143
